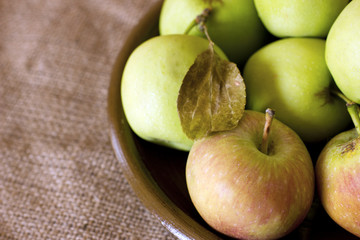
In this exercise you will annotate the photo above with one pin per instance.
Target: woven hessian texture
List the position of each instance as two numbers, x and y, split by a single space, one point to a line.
59 178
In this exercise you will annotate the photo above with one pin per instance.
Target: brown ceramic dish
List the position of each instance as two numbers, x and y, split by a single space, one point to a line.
157 174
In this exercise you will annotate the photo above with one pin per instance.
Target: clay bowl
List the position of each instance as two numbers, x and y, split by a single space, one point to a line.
157 174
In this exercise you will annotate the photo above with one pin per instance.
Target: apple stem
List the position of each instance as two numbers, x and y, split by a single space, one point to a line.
339 94
354 112
269 115
191 25
199 20
352 108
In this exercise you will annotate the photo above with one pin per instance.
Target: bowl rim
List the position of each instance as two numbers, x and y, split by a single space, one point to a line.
138 176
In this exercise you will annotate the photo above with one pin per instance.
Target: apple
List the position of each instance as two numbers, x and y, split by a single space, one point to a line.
150 85
290 75
338 176
233 24
342 51
299 18
251 184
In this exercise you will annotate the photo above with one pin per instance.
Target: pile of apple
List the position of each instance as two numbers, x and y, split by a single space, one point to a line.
250 174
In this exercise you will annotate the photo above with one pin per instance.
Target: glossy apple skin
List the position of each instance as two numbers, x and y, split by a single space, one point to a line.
338 180
150 85
233 25
290 76
343 51
244 193
299 18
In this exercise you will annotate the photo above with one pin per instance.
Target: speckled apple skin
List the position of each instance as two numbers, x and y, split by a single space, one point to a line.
338 180
244 193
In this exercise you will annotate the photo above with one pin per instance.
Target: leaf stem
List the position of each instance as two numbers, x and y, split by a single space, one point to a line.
352 108
207 34
269 116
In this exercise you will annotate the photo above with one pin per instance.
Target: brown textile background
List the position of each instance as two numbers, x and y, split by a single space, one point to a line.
59 178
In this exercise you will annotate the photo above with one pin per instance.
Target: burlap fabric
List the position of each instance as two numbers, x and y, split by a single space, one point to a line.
59 178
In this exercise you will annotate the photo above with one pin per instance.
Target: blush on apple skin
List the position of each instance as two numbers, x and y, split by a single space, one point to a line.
244 193
338 180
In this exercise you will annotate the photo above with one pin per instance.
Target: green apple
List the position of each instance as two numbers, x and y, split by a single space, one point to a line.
246 191
150 85
338 177
233 24
343 51
299 18
290 75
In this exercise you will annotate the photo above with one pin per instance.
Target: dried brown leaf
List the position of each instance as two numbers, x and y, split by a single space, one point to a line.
212 96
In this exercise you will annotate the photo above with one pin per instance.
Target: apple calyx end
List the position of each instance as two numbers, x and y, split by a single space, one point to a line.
350 146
